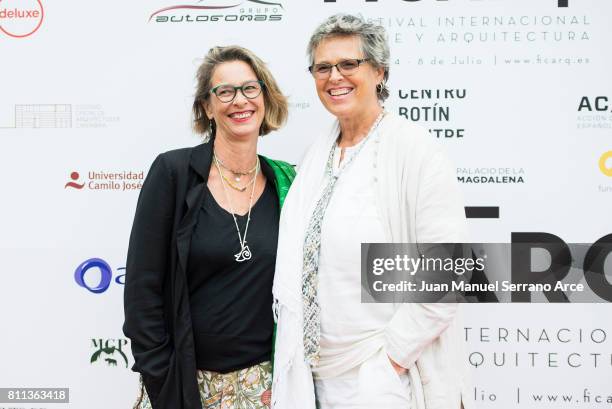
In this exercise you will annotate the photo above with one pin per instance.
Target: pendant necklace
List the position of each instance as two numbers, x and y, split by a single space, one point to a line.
244 253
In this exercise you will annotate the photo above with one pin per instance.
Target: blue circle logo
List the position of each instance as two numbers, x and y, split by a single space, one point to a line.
106 275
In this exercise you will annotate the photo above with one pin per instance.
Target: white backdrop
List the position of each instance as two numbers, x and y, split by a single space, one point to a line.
98 88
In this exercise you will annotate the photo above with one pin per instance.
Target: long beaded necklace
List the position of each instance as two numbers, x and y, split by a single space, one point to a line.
244 253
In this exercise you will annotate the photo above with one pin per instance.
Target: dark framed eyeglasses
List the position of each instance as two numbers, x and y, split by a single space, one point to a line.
227 93
345 67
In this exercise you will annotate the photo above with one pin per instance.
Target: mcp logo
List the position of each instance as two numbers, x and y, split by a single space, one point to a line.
20 18
102 281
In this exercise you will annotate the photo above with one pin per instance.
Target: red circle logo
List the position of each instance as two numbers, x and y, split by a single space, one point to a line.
20 18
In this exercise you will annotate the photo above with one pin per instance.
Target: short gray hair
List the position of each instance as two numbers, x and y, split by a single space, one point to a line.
373 38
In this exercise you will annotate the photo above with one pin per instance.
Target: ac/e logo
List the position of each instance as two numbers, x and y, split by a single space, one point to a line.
560 3
599 104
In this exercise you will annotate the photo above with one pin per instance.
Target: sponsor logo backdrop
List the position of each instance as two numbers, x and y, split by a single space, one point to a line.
517 91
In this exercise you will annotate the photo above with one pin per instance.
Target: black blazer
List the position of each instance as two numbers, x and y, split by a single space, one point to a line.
156 297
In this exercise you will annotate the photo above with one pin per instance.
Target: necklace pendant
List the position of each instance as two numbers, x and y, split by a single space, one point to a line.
237 178
243 255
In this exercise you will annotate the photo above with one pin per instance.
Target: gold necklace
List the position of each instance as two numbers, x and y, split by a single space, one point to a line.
237 174
232 185
229 182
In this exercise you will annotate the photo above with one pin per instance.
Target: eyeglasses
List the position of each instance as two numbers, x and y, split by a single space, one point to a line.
227 93
344 67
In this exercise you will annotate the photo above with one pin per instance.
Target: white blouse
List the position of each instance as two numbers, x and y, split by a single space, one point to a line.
419 202
351 332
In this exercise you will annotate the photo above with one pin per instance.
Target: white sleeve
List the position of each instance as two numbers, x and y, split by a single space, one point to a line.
440 218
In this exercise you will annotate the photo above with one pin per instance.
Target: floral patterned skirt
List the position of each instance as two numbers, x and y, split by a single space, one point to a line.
247 388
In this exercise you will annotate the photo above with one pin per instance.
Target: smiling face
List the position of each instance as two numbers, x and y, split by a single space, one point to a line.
346 96
242 117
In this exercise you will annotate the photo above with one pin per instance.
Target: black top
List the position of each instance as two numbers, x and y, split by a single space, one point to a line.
231 302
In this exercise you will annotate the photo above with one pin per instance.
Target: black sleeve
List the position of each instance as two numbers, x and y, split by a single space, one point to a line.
146 270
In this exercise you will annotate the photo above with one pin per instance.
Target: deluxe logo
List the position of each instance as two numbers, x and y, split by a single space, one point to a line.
102 180
20 18
605 164
560 3
222 11
109 351
96 275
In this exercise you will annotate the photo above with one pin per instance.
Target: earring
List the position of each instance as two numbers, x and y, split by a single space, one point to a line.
380 87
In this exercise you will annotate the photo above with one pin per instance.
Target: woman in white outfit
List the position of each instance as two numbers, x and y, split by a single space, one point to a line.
374 178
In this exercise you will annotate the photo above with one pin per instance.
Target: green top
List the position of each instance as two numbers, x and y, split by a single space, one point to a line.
285 173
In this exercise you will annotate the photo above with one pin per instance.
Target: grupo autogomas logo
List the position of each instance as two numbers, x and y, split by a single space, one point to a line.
228 11
20 18
96 275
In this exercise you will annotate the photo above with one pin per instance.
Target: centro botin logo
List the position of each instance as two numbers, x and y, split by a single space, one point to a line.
20 18
204 11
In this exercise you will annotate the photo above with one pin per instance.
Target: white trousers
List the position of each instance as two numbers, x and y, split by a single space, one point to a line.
373 384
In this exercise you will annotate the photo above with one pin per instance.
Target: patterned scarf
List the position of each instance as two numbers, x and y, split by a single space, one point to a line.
312 248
